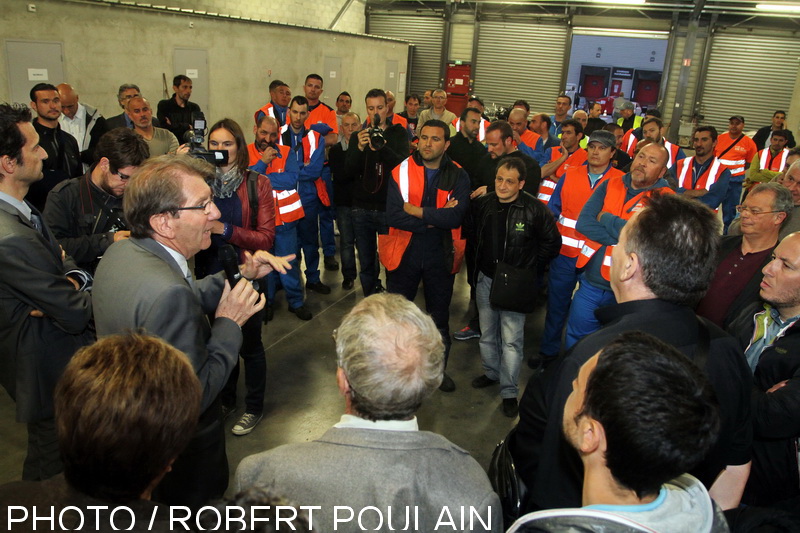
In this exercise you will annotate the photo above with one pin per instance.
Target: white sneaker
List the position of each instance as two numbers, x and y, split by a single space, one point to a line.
246 424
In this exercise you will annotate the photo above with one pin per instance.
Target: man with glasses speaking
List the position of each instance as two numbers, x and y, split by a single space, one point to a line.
85 213
144 283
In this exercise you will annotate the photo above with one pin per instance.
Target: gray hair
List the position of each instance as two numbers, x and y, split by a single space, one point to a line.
157 187
392 355
124 87
782 199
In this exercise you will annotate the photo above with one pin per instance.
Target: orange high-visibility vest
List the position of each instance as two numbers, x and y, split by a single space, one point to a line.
738 156
575 191
776 164
267 109
530 138
410 178
311 142
548 185
705 181
615 204
288 206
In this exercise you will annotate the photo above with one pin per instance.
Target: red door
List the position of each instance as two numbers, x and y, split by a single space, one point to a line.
457 85
593 87
647 92
616 87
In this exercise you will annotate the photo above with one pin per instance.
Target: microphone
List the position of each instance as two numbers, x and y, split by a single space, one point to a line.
230 262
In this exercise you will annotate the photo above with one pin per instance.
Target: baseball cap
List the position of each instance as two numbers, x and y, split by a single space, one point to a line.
606 138
628 105
740 118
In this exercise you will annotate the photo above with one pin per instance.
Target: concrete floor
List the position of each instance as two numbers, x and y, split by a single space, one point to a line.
302 399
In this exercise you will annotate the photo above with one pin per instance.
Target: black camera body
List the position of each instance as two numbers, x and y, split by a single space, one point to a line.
195 137
376 137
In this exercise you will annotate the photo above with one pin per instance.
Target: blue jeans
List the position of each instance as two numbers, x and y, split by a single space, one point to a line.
308 237
368 224
347 241
582 321
285 244
502 339
561 283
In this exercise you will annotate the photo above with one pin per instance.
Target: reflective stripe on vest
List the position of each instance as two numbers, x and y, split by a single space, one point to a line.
481 131
615 204
267 109
546 189
672 150
575 191
288 206
705 181
766 164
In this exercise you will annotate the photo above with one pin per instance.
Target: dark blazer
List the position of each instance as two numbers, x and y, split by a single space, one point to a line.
34 351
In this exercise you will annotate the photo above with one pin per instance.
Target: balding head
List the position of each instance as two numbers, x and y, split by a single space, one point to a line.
791 180
581 116
518 120
390 101
69 99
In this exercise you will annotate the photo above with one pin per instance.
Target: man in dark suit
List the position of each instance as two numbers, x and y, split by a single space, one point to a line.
145 282
125 93
43 318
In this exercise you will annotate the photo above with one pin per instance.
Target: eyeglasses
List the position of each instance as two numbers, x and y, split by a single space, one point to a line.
122 176
753 211
204 207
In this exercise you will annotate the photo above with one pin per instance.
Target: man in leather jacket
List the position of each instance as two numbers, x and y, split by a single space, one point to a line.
85 213
515 228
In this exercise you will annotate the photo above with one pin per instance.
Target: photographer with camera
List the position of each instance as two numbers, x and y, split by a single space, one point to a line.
246 222
85 213
371 155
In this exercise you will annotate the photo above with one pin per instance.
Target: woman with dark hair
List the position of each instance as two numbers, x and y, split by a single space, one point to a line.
247 222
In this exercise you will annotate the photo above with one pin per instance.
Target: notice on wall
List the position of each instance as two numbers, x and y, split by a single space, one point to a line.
192 73
332 75
37 74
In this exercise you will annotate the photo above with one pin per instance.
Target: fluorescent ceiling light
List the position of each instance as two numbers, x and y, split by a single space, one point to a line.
784 8
626 2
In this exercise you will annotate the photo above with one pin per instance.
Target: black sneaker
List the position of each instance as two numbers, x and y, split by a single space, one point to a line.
448 385
318 287
379 288
348 284
510 407
301 312
331 263
483 381
466 333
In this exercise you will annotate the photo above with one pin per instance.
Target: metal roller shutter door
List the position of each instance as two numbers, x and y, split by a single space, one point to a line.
749 75
426 34
518 60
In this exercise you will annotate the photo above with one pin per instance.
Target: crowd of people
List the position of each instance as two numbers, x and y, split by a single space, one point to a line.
137 274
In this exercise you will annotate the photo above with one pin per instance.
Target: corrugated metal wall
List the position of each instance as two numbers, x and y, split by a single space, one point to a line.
520 60
462 39
750 75
426 33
